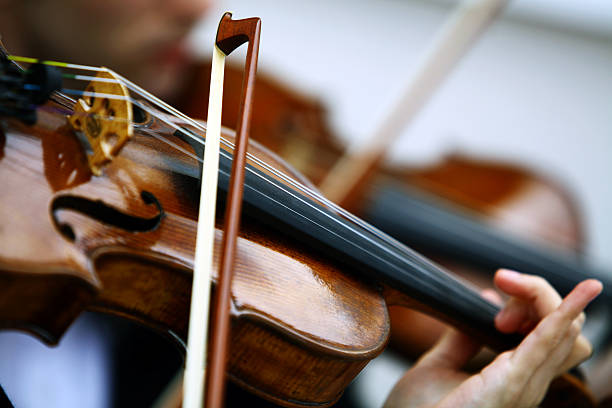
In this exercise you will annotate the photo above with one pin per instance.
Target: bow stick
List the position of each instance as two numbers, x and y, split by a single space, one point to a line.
230 35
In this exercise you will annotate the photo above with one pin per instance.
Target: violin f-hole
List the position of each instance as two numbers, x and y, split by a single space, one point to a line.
104 213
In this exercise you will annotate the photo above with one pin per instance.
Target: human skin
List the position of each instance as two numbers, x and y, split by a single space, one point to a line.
516 378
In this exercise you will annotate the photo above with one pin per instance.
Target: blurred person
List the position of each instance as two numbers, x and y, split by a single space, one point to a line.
144 40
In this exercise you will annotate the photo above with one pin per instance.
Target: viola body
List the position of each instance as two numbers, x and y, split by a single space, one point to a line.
302 328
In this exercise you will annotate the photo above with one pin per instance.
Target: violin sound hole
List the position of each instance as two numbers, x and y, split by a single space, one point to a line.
104 213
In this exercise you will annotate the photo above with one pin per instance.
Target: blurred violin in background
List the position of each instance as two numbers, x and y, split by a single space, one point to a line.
471 214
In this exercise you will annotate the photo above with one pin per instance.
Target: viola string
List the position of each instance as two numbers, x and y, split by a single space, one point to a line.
228 156
90 78
97 94
313 194
29 60
305 190
398 246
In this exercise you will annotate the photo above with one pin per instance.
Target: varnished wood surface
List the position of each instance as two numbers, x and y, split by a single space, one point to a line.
293 299
39 267
325 329
511 198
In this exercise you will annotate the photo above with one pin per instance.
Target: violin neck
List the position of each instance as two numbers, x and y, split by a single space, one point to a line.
428 223
370 255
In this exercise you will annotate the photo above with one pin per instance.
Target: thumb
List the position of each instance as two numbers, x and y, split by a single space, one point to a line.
455 349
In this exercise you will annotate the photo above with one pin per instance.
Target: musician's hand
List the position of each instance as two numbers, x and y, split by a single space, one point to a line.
516 378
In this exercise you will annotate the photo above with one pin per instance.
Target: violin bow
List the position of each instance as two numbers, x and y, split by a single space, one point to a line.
197 338
230 35
344 181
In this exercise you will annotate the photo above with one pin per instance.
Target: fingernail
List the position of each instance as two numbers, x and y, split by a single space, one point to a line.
601 284
510 274
599 289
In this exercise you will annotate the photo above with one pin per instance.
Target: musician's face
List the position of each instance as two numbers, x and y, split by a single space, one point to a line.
141 39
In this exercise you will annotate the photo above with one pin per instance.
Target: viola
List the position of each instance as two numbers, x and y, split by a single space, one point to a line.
311 282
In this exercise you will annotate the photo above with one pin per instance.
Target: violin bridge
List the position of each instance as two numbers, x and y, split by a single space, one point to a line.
104 116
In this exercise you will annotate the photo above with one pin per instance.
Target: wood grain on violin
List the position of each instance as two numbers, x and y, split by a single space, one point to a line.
534 222
293 302
303 324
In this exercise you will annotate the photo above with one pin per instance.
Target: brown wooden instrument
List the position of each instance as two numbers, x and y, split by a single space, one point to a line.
295 127
48 278
501 196
308 313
